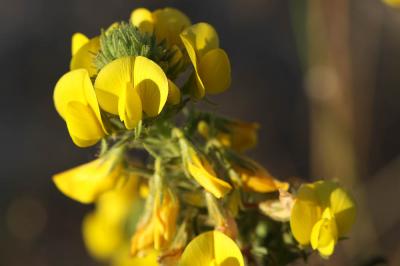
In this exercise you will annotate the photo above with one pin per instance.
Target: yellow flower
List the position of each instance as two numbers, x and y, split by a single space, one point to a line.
84 51
212 249
85 183
322 213
75 100
104 229
211 64
157 231
166 23
201 170
129 85
258 179
238 135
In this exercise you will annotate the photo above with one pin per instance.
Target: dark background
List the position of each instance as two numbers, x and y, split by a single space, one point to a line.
41 227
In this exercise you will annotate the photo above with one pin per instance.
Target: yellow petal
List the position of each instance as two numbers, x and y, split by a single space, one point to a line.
324 234
202 172
74 93
111 81
169 23
198 89
151 83
84 57
215 71
344 210
174 93
143 19
82 124
101 238
85 183
212 248
305 213
130 107
202 37
78 40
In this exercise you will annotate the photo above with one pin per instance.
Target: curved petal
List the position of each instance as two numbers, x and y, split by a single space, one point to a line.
174 94
202 172
344 210
202 37
111 80
198 88
83 124
71 87
143 19
212 248
78 40
151 83
76 86
305 213
168 24
130 107
84 57
85 183
215 71
324 235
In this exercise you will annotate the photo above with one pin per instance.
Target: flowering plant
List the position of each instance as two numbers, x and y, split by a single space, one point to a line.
171 183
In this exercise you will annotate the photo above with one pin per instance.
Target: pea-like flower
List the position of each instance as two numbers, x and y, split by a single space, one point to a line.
256 178
212 248
76 102
211 64
85 183
237 135
84 51
166 23
322 213
158 230
201 170
129 85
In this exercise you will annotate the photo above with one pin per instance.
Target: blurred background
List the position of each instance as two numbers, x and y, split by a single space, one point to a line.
321 77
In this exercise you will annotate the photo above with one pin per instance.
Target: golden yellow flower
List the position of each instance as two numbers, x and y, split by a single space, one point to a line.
158 230
258 179
238 135
166 23
75 100
85 183
322 213
201 170
84 51
129 85
212 249
211 64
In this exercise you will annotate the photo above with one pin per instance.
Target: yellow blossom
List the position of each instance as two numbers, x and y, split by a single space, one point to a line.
238 135
75 100
201 170
84 51
129 85
212 249
158 230
104 229
322 213
258 179
211 64
166 23
85 183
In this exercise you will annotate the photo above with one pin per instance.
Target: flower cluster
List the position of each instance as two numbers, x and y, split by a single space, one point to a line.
172 185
